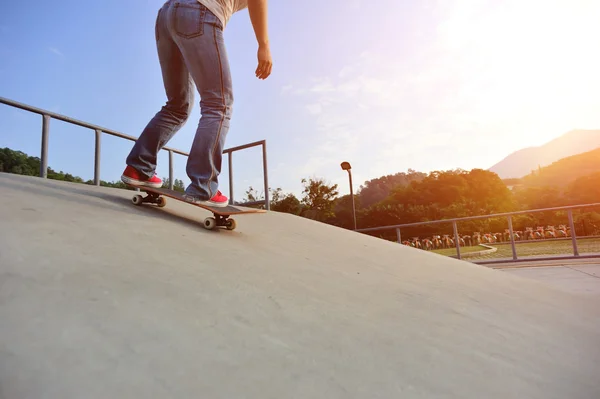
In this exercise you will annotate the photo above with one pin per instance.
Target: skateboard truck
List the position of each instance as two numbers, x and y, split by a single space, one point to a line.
218 220
151 198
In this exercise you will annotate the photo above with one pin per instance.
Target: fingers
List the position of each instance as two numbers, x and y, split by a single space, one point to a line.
264 69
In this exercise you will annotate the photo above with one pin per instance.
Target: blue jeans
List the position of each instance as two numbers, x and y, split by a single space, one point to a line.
191 50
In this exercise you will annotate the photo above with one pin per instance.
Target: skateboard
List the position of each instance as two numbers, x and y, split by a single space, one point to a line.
221 216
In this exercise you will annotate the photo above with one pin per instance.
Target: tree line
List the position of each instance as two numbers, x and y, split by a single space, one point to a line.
440 195
414 196
417 197
17 162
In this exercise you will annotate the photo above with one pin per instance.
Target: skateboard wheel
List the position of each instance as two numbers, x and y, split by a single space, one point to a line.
137 200
230 224
210 223
161 202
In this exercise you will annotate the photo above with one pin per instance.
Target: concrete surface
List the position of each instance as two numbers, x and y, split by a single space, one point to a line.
102 299
579 277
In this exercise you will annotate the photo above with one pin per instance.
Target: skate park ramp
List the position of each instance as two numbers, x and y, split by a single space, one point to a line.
100 298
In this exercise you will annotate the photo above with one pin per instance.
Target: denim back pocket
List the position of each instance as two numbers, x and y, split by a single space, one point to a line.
189 19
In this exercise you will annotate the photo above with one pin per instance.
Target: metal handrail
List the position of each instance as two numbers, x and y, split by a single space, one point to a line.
467 218
509 216
48 115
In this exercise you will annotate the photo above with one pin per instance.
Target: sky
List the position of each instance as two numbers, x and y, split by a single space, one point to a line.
387 85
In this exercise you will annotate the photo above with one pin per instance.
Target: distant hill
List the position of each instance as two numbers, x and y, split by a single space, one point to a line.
565 171
522 162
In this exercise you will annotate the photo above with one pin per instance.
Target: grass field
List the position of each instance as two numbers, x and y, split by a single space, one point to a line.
452 251
541 248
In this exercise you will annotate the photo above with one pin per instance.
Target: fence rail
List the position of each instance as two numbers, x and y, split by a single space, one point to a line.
508 216
47 116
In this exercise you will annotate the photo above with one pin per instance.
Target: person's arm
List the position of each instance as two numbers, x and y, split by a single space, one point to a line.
258 16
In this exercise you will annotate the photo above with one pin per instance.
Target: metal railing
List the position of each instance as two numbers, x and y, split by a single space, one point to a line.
508 216
48 115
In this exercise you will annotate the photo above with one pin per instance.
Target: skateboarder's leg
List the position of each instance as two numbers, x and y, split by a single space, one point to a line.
199 34
180 98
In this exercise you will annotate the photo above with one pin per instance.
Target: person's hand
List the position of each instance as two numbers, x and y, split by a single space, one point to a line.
265 62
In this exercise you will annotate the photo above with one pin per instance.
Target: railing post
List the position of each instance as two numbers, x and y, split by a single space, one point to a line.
267 202
48 115
399 236
573 234
44 150
230 162
512 237
455 228
171 182
97 158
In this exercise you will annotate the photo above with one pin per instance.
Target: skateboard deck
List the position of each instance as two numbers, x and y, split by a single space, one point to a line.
221 214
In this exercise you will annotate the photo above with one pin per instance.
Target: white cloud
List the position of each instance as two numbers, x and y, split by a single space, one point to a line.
356 4
287 89
314 109
55 51
346 71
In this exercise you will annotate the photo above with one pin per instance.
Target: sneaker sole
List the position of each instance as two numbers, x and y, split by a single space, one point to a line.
208 203
215 204
139 183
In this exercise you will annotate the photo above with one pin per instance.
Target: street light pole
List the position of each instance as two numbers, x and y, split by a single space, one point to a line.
346 166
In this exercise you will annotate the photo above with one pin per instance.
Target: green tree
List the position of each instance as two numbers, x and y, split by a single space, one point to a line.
487 193
178 184
450 194
319 198
584 190
538 197
376 190
288 204
17 162
440 195
343 211
252 195
278 200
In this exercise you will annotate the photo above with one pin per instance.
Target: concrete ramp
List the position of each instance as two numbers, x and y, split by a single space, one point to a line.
103 299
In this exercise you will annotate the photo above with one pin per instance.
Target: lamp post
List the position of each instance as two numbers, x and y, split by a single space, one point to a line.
346 166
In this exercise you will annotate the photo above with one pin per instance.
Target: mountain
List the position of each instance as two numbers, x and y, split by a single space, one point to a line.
522 162
564 171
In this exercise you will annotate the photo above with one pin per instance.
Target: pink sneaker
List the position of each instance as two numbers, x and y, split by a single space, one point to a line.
218 200
134 178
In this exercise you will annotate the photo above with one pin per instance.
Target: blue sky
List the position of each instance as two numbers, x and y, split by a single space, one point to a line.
387 85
